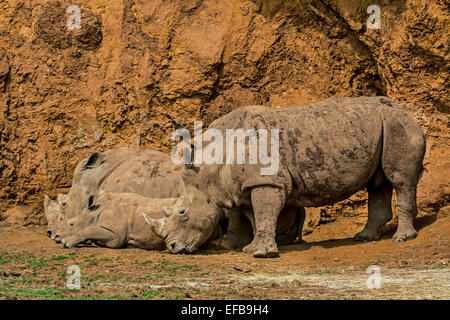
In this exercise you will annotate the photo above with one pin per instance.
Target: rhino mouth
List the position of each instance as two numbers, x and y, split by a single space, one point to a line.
180 247
177 247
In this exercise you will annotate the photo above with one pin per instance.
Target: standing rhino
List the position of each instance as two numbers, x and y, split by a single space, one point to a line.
115 220
146 172
327 151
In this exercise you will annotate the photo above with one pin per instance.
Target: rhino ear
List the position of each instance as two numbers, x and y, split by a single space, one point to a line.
188 163
91 201
94 160
62 200
156 225
191 167
46 202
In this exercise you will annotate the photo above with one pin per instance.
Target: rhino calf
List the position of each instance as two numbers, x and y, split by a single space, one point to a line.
327 151
115 220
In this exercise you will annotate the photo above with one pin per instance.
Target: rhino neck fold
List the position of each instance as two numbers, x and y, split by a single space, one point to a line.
221 190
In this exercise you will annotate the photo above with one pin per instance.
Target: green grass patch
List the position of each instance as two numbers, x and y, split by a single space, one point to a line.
150 295
62 257
4 261
22 280
172 268
30 292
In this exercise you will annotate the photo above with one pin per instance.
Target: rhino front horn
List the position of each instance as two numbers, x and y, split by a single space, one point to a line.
156 225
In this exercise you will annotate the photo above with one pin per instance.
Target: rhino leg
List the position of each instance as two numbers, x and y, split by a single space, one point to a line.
239 229
402 156
380 212
99 234
406 212
267 202
295 230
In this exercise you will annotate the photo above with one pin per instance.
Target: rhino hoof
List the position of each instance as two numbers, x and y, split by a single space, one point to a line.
261 251
404 235
266 254
366 235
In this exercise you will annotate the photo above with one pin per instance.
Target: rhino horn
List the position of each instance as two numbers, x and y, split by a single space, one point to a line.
167 212
156 225
47 201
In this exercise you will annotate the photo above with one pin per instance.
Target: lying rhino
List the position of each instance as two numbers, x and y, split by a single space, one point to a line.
115 220
327 151
146 172
142 172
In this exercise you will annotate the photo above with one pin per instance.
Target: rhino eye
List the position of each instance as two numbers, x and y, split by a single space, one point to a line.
182 211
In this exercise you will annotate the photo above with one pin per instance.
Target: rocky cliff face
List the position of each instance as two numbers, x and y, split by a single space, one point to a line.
138 69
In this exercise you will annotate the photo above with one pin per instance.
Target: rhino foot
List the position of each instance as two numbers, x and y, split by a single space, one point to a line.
404 234
367 235
259 250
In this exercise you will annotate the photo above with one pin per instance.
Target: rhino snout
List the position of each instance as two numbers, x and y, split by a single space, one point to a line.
177 247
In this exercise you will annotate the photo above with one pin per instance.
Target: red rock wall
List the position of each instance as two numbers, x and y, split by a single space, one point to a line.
137 70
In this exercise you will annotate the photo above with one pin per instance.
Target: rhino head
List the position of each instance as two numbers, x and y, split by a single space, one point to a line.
67 227
85 178
192 221
71 204
54 212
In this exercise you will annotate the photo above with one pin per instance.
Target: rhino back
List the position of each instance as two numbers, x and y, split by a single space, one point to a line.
87 180
149 173
146 172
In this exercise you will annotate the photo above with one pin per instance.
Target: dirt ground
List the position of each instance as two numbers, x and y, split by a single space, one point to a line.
326 265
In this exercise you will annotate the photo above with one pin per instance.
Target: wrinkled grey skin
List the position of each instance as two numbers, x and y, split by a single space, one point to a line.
115 220
241 224
145 172
328 151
